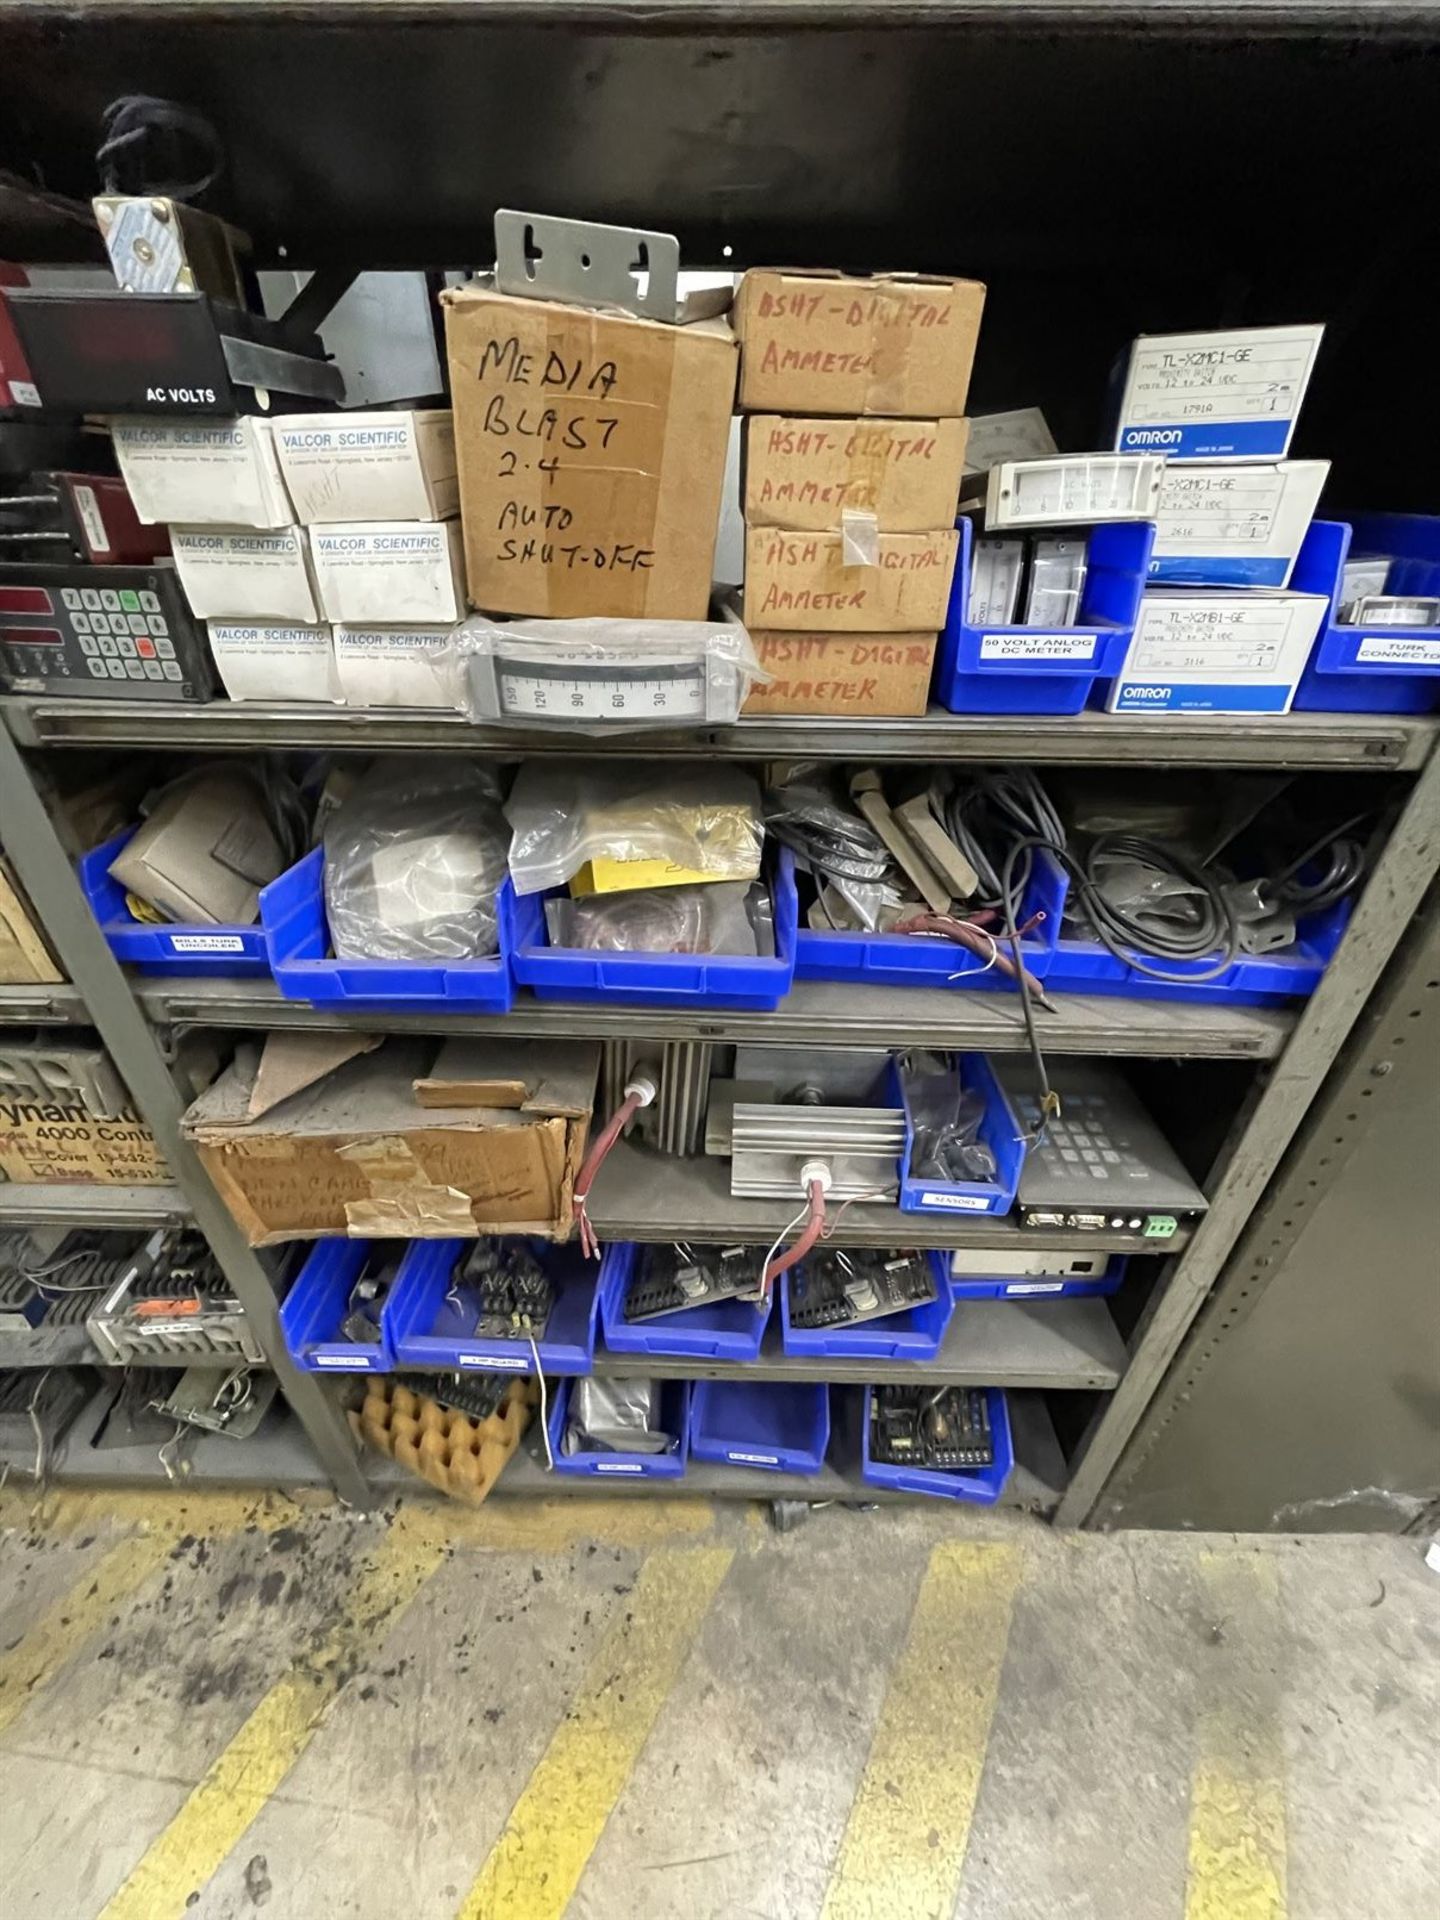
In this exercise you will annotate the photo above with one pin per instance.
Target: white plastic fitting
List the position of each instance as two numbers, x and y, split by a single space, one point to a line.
642 1087
816 1173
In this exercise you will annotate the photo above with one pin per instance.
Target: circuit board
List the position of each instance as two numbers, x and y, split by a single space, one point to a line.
476 1394
853 1284
512 1292
943 1428
672 1279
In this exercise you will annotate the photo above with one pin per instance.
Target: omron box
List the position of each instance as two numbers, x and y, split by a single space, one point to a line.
390 573
202 472
800 582
591 449
246 576
369 466
807 473
813 341
1232 525
1198 652
396 666
1216 396
267 661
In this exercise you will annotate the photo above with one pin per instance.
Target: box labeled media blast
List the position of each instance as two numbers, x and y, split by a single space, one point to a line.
202 472
262 661
1199 652
246 576
1232 395
369 466
1230 524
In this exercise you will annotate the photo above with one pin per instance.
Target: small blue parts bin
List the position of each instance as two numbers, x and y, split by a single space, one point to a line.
316 1306
982 1485
724 1330
1013 669
915 1334
778 1427
229 952
1000 1131
674 1418
297 939
730 980
1371 668
432 1322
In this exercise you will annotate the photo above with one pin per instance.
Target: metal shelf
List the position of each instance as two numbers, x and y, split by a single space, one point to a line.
276 1455
41 1006
815 1013
989 1343
692 1201
91 1206
1372 741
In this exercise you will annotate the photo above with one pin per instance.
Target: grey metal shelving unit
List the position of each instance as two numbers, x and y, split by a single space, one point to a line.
1032 1349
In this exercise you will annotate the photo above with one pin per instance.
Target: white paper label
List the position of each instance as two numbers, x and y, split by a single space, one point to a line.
618 1466
1395 652
356 1362
518 1365
24 394
401 574
1037 646
1206 511
346 471
207 942
956 1202
275 662
211 472
752 1459
395 666
1035 1286
255 576
91 519
1257 379
1178 639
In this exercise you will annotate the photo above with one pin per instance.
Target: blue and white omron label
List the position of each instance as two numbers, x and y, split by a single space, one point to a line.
1220 652
1216 396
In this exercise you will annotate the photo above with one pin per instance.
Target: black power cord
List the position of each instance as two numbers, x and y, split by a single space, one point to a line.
989 812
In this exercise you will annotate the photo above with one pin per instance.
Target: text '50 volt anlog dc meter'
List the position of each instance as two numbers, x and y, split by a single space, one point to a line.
124 633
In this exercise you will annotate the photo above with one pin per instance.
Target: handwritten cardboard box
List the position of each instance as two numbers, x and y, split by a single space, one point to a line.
818 341
370 1150
857 675
800 582
805 473
591 450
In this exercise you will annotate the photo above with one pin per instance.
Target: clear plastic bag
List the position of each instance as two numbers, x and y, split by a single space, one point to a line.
946 1117
597 675
711 919
691 819
413 858
616 1416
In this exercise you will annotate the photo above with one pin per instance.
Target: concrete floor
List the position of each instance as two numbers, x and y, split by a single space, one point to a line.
214 1705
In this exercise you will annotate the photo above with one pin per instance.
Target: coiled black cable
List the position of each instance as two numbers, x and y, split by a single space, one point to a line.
1203 923
988 813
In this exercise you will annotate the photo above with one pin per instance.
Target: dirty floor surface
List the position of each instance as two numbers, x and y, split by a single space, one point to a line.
214 1706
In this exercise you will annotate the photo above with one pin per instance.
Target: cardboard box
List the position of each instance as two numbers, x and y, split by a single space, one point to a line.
1234 524
366 1151
267 662
816 341
25 959
246 576
799 582
807 473
1233 395
1223 652
591 449
202 472
203 853
397 666
854 675
369 466
389 573
65 1116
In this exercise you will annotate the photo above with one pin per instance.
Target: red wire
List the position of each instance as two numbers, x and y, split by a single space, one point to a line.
594 1160
814 1226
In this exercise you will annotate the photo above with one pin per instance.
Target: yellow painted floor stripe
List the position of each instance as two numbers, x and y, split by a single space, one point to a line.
536 1864
60 1632
904 1844
1237 1853
232 1793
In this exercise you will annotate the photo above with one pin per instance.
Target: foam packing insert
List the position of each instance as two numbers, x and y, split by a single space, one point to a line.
460 1456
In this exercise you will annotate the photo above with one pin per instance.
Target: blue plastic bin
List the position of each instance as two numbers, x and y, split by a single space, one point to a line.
916 1334
229 952
726 1330
674 1415
920 960
1291 973
1032 669
780 1428
982 1485
315 1306
1052 1286
297 939
1000 1131
1336 679
427 1332
660 979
